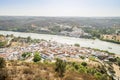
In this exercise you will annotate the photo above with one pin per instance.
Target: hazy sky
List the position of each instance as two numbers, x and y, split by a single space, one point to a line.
82 8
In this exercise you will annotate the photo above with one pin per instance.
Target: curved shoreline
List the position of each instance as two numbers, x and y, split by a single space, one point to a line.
110 41
98 44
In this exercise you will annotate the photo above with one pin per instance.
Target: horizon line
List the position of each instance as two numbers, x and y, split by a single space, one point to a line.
52 16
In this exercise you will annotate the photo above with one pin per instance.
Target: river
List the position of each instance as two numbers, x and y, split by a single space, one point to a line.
98 44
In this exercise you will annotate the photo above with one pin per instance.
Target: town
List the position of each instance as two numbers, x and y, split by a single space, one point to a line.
25 49
60 40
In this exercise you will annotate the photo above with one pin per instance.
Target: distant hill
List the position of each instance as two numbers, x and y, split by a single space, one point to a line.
34 24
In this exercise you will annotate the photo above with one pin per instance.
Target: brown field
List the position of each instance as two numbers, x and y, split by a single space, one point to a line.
19 70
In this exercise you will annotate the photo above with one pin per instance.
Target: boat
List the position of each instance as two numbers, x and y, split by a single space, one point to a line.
109 48
92 42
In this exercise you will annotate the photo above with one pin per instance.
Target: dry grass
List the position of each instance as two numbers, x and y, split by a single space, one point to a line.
70 75
18 70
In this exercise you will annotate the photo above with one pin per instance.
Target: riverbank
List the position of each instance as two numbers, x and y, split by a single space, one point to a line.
52 50
98 44
112 41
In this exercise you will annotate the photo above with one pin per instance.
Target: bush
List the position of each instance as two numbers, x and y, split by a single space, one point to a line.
28 39
37 57
27 71
118 61
100 76
91 71
82 57
77 45
3 44
3 74
84 63
112 59
92 58
76 66
26 54
2 62
82 70
60 67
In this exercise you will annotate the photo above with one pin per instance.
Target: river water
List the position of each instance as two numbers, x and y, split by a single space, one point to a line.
98 44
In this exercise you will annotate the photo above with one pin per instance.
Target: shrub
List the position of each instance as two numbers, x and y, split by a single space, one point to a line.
100 76
37 57
91 71
76 66
26 54
118 61
84 63
2 62
28 39
3 74
3 44
112 59
82 57
82 70
92 58
27 71
3 70
60 67
77 45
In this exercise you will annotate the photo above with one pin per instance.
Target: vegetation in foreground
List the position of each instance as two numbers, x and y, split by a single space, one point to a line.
61 70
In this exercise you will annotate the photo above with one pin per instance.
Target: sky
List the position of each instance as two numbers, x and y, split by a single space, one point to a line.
80 8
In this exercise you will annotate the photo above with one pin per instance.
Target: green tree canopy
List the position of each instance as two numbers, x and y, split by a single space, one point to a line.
2 62
60 67
37 57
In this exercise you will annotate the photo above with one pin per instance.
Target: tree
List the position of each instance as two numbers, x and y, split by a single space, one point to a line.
3 74
11 35
60 67
84 63
118 61
2 62
37 57
3 44
24 55
28 39
3 70
77 45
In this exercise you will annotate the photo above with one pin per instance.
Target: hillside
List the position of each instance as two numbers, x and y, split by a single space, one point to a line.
19 70
25 23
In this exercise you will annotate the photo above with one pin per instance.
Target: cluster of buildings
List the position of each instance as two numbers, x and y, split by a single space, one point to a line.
72 31
50 50
76 32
